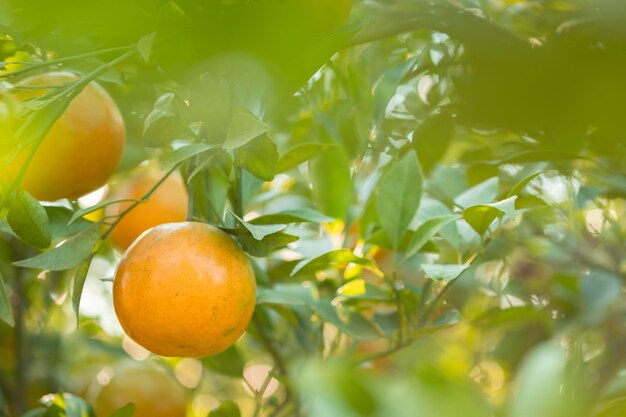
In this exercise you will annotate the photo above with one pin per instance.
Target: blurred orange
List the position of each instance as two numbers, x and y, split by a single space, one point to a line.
154 393
83 147
168 204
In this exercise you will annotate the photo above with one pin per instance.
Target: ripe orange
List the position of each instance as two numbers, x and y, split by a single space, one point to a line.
154 393
83 148
184 289
168 204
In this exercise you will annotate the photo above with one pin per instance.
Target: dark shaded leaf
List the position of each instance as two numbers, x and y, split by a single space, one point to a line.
226 409
432 139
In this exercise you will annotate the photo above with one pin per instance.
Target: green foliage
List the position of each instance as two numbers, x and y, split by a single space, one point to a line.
226 409
6 314
332 183
67 255
29 220
399 197
431 194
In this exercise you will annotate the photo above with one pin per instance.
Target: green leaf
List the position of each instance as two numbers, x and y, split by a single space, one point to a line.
163 123
523 183
432 139
302 215
549 384
83 212
332 388
443 272
29 220
226 409
229 362
332 182
259 157
269 244
145 46
243 128
511 317
287 294
67 255
6 314
127 411
79 282
300 154
483 193
427 231
354 325
259 232
386 86
399 196
182 154
338 259
163 109
480 217
358 289
59 218
66 405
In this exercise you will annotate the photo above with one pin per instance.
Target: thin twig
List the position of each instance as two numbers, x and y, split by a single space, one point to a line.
258 397
63 60
442 293
143 199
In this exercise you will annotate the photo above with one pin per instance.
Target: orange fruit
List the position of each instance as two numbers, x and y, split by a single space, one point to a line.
83 148
168 204
184 289
153 392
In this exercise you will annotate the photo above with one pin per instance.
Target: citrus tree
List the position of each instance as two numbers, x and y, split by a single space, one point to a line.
312 208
